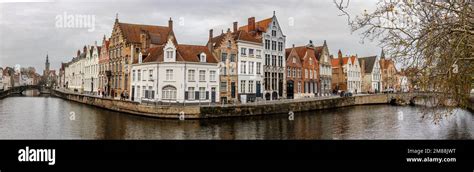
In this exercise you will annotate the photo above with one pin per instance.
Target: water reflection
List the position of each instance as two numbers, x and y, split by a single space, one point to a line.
49 118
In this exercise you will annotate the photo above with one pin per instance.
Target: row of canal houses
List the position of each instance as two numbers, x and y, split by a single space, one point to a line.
146 63
9 77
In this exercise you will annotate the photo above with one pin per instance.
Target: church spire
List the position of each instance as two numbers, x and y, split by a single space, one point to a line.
47 59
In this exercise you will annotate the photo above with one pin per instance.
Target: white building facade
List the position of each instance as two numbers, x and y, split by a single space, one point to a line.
74 72
354 79
376 77
250 69
91 69
273 53
175 74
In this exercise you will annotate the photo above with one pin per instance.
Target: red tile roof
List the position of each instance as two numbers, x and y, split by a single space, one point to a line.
259 26
131 32
188 53
245 36
335 62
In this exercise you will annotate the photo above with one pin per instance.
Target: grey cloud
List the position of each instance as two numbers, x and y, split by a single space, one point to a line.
27 30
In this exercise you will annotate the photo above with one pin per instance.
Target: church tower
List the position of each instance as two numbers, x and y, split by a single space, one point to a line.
47 64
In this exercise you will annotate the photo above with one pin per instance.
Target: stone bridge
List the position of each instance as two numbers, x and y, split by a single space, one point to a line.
21 89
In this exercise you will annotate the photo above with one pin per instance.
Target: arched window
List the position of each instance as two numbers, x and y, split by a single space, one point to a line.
169 93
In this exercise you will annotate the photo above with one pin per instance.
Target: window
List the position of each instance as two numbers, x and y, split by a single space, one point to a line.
289 72
250 86
169 54
138 91
242 86
190 93
169 74
273 60
202 75
243 51
139 75
202 93
251 67
299 87
267 44
232 57
267 59
144 92
133 75
243 67
150 75
259 54
258 68
212 75
223 86
251 54
280 60
273 45
224 70
169 93
224 57
229 44
294 60
143 77
310 74
191 75
274 33
150 93
306 73
280 46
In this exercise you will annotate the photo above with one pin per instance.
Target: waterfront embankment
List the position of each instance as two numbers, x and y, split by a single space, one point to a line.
218 111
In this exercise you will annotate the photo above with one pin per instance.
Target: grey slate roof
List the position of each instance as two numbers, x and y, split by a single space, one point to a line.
369 63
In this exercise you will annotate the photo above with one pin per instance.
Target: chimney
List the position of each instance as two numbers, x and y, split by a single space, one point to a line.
209 44
235 26
293 45
85 49
210 35
78 53
251 24
339 54
170 24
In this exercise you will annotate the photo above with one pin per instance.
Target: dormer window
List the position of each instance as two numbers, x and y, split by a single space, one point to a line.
202 57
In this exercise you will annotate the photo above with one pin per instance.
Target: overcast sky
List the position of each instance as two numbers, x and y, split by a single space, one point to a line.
28 30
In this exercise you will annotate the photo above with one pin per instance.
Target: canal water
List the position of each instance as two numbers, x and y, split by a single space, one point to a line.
53 118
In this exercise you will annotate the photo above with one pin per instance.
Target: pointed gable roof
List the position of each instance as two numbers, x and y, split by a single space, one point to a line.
369 63
291 52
